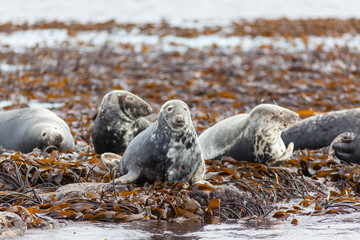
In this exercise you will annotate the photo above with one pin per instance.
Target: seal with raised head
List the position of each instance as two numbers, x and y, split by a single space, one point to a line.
320 130
168 150
120 119
29 128
253 137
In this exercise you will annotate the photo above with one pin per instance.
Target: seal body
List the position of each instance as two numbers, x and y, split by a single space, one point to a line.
120 119
28 128
253 137
168 150
320 130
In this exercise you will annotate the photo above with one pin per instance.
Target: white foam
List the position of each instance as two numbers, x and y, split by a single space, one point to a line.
5 104
4 67
20 40
33 104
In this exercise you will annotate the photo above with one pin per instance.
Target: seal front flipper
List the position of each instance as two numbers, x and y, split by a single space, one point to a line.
341 143
111 160
133 174
285 156
199 174
346 147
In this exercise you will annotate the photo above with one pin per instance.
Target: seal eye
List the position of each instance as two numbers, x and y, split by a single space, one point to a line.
281 113
129 98
185 109
169 109
43 134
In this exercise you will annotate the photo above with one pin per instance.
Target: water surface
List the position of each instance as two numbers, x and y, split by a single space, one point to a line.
345 226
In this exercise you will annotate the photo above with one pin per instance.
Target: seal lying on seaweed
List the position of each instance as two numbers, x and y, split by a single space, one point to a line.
253 137
326 127
29 128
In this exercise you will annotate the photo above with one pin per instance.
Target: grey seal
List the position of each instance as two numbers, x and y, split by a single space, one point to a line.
253 137
120 119
168 150
320 130
29 128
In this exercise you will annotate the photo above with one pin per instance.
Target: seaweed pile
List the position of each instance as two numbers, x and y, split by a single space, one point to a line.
38 190
215 83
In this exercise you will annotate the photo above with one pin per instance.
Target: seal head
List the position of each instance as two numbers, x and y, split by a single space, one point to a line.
48 135
269 121
120 119
31 128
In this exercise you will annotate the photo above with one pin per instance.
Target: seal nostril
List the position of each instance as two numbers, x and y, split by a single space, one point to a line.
179 119
59 138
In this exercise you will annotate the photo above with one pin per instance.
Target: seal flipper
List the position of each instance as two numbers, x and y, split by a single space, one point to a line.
111 160
199 174
343 138
132 175
285 156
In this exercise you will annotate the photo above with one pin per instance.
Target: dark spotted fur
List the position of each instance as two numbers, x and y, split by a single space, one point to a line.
119 120
168 150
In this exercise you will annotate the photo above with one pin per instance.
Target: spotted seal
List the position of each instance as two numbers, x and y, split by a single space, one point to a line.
253 137
168 150
320 130
29 128
120 119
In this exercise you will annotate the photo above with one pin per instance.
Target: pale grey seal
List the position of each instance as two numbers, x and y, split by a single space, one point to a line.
253 137
28 128
120 119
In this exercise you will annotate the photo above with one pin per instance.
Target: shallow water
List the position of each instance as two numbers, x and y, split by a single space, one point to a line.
309 227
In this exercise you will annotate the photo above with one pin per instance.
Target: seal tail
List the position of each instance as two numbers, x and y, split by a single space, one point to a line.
133 174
